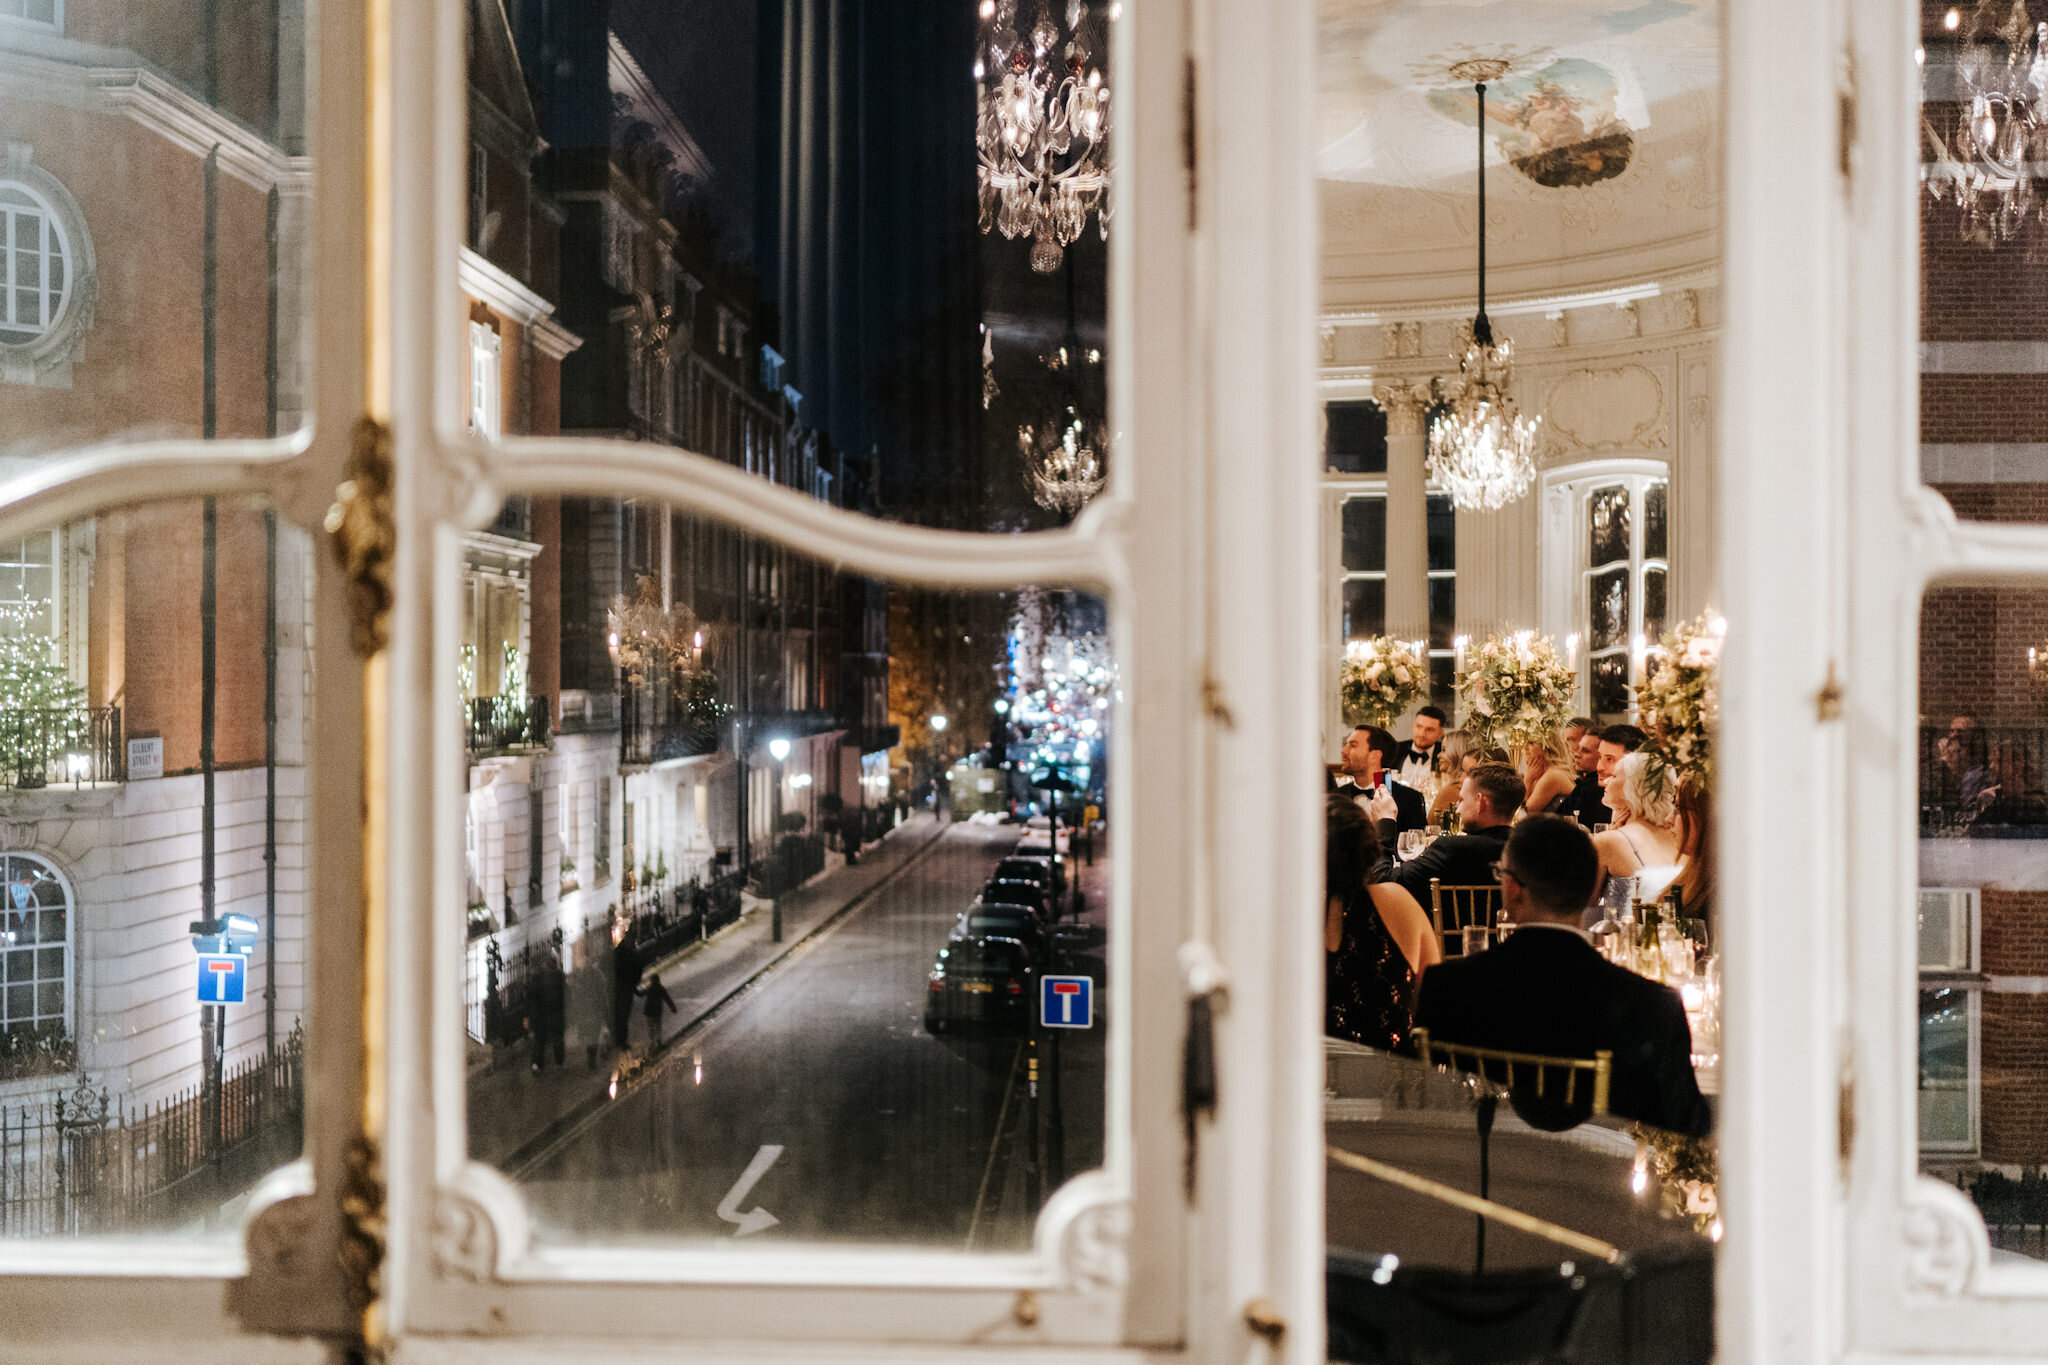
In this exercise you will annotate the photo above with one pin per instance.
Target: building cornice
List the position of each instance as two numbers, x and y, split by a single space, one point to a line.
1513 305
645 102
161 106
499 290
552 339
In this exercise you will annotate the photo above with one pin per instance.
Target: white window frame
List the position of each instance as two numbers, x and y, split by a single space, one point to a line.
486 382
50 235
55 25
70 978
1565 551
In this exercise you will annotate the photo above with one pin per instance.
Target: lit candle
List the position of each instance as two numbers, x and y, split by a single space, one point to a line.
1458 651
1571 650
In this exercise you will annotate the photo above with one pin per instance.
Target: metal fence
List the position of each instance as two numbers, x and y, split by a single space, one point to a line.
658 723
83 1161
61 746
1986 783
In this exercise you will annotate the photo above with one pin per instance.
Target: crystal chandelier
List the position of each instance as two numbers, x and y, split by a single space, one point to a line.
1481 447
1060 465
1986 166
1042 137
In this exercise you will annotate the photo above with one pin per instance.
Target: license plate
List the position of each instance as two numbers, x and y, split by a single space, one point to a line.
976 987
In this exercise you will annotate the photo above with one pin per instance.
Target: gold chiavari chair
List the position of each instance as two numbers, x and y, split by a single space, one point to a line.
1500 1066
1452 909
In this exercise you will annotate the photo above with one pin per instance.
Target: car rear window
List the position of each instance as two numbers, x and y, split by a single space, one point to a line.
1001 888
981 957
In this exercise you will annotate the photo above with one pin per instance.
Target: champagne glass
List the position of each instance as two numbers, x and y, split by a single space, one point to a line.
1411 845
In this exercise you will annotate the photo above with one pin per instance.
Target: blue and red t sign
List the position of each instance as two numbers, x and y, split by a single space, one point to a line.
1066 1001
223 978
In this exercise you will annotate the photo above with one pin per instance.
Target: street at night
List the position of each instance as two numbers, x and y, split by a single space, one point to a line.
817 1106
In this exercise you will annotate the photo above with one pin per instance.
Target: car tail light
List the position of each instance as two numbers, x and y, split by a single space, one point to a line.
1016 987
938 983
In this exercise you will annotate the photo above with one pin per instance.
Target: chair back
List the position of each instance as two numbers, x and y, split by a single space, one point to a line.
1553 1079
1453 909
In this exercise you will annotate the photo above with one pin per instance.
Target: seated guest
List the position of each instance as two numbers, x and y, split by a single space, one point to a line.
1645 832
1616 743
1490 797
1546 990
1420 757
1457 760
1585 803
1549 770
2013 795
1364 759
1376 939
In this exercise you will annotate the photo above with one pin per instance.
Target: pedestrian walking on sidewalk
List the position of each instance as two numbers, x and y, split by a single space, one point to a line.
657 998
550 1011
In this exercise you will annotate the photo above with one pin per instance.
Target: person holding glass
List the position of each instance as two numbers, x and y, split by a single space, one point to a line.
1644 830
1377 939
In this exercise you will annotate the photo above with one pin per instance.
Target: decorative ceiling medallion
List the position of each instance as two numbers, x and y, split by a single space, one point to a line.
1558 126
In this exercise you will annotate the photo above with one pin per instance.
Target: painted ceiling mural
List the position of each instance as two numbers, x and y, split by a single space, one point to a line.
1602 134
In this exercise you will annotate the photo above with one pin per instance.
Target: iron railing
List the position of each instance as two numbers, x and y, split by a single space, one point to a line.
499 725
657 724
1990 783
61 746
83 1161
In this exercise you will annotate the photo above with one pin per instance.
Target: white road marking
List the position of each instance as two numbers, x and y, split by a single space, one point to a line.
756 1218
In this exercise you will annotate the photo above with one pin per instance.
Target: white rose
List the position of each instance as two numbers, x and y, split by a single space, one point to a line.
1401 675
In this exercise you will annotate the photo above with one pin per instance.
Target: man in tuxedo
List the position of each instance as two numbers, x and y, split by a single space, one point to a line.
1616 743
1486 808
1414 759
1546 990
1584 802
1363 759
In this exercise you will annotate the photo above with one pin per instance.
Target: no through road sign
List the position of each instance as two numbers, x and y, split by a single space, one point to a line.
1066 1001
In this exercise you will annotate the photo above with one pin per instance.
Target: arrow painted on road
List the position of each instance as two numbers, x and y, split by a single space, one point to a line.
756 1218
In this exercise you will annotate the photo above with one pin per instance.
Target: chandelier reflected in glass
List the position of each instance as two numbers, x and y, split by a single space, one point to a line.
1986 167
1482 450
1060 464
1042 135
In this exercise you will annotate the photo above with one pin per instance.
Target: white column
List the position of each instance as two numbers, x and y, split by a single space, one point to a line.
1407 510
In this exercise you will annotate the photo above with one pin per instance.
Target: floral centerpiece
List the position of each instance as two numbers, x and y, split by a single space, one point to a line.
1381 678
1514 690
1680 699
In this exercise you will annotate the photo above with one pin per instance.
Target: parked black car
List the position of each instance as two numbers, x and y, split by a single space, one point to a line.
987 980
1049 872
1020 893
1006 921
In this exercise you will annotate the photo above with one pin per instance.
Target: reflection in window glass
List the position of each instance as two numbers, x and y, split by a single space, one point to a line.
667 237
1355 437
1607 519
1365 535
1365 608
773 755
147 289
153 902
1982 421
1983 755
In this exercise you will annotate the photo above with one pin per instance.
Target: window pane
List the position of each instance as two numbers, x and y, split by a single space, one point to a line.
1607 513
1365 534
1609 685
1608 598
152 291
775 261
1653 603
1983 1036
153 801
773 755
1443 533
1656 511
1983 363
1443 612
1355 438
1365 608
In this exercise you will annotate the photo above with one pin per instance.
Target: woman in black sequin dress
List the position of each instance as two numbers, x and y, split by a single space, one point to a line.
1377 940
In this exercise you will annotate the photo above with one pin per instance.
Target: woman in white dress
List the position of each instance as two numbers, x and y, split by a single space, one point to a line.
1645 826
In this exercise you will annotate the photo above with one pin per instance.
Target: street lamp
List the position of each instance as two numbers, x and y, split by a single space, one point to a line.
939 724
778 749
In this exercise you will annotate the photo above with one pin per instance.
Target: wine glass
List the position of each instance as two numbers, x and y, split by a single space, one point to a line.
1411 844
1615 898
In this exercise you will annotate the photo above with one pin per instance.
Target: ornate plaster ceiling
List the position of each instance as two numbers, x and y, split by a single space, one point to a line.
1603 146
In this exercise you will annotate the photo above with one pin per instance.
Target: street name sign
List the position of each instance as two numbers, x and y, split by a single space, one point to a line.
1066 1001
223 978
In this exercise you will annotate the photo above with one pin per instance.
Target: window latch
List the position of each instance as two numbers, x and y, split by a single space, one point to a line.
1207 987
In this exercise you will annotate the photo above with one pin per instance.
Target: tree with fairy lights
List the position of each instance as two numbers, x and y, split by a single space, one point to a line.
42 712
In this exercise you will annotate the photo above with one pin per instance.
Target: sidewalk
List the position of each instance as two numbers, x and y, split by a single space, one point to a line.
510 1106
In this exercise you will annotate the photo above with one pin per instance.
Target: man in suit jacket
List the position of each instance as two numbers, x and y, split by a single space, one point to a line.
1547 990
1584 802
1486 809
1414 758
1364 758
